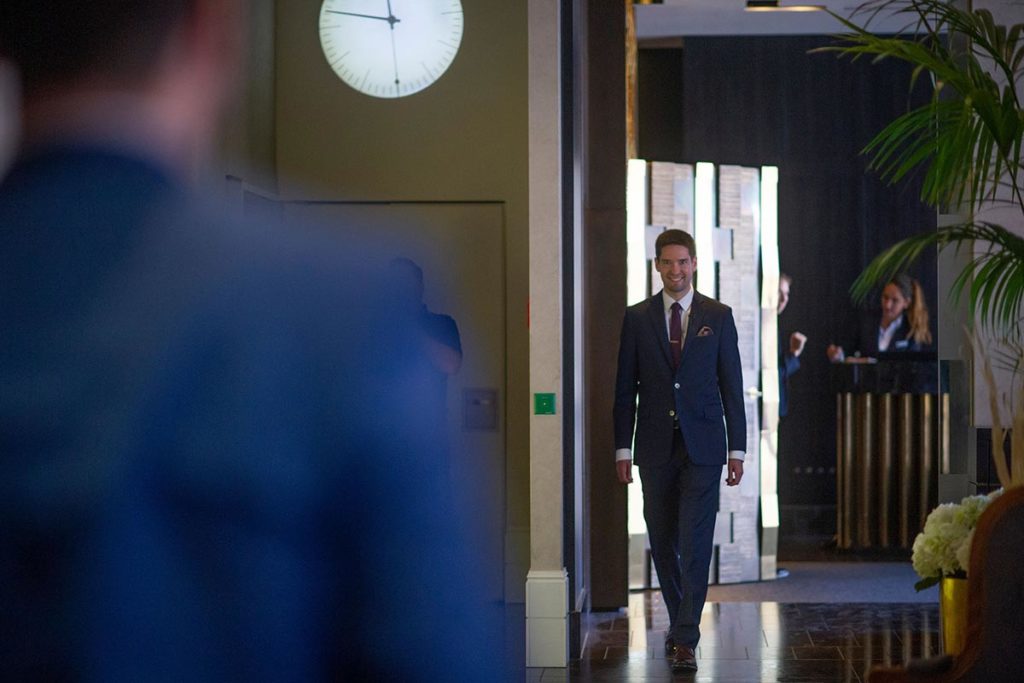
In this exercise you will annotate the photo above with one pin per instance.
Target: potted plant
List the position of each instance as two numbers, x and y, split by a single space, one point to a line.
967 140
942 554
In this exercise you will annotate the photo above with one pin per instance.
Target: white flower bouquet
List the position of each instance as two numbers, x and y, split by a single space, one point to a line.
944 547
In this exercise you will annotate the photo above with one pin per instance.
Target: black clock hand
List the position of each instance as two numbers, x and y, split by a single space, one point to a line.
394 53
390 19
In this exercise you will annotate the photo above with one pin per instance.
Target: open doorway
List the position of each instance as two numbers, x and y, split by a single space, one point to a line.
731 212
767 99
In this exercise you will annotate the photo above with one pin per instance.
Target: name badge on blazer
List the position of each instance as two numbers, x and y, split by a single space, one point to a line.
705 332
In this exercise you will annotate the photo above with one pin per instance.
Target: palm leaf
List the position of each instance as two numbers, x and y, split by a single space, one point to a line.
998 433
992 280
1007 355
967 139
966 144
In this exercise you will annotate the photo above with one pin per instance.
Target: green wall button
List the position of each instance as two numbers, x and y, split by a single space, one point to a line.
543 404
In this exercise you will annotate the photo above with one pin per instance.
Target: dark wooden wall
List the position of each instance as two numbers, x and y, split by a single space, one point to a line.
604 285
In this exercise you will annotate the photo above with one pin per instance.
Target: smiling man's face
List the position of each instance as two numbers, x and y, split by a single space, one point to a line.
676 267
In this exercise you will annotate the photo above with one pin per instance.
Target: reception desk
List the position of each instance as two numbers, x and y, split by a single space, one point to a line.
887 448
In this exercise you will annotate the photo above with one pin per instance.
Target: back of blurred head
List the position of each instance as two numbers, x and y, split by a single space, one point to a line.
159 72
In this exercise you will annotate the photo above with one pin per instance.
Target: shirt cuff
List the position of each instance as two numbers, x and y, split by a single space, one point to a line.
623 454
736 455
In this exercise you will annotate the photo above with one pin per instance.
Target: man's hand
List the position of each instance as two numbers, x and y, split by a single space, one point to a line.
624 468
796 343
735 472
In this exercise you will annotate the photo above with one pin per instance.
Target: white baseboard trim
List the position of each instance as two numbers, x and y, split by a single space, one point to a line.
547 618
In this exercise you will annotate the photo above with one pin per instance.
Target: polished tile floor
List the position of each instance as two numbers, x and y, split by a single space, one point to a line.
748 641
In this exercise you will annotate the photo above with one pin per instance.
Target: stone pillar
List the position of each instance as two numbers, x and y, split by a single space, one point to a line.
547 599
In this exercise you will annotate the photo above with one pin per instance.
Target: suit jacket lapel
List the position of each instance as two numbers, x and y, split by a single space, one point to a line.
694 324
656 314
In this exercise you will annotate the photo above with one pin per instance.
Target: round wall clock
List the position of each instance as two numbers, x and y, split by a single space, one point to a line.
390 48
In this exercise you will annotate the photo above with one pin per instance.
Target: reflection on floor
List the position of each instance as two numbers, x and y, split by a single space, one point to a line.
744 641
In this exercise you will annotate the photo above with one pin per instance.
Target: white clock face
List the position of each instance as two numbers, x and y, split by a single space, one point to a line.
390 48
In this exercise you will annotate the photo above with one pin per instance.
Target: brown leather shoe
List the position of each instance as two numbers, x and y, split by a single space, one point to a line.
684 659
670 646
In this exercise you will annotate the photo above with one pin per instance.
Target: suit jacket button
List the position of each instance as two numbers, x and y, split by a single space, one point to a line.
677 385
671 413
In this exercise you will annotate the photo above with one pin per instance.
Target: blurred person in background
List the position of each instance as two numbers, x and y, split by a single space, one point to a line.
789 353
205 424
440 333
900 326
437 336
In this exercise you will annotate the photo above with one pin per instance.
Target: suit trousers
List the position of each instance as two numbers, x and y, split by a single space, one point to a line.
680 508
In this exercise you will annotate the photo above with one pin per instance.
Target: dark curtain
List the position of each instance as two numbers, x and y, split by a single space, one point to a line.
757 101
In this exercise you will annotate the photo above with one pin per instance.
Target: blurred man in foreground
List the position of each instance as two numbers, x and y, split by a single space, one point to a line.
204 425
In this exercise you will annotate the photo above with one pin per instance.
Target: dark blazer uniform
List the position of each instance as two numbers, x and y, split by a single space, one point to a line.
788 366
867 337
681 439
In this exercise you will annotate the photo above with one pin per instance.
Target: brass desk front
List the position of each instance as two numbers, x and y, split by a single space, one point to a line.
887 420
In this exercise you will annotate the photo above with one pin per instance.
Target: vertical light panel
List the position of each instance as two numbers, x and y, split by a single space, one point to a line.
703 228
770 297
770 235
737 262
770 302
636 223
769 371
637 219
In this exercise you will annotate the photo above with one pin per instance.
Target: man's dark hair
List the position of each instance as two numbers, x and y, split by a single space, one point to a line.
674 236
56 43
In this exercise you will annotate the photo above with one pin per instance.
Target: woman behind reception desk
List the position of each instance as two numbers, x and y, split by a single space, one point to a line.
886 423
902 325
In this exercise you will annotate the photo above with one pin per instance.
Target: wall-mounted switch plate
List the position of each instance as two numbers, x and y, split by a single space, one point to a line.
543 404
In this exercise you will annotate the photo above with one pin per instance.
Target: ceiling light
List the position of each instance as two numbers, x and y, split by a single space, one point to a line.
774 6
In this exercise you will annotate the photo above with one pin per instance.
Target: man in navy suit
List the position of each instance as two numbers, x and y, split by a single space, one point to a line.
679 375
211 453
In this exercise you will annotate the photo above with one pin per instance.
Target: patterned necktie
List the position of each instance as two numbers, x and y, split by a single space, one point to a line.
675 334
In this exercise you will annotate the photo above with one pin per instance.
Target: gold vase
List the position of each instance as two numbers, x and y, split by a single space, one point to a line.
953 614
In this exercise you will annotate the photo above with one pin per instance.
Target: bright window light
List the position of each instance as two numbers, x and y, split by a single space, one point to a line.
636 223
703 228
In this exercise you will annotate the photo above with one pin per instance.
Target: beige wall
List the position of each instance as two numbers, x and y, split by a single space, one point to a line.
462 139
248 145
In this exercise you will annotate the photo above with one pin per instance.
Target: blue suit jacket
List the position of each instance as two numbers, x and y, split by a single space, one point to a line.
209 459
788 366
705 393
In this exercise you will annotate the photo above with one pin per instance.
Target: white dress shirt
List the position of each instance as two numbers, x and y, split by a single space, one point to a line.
885 334
685 301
